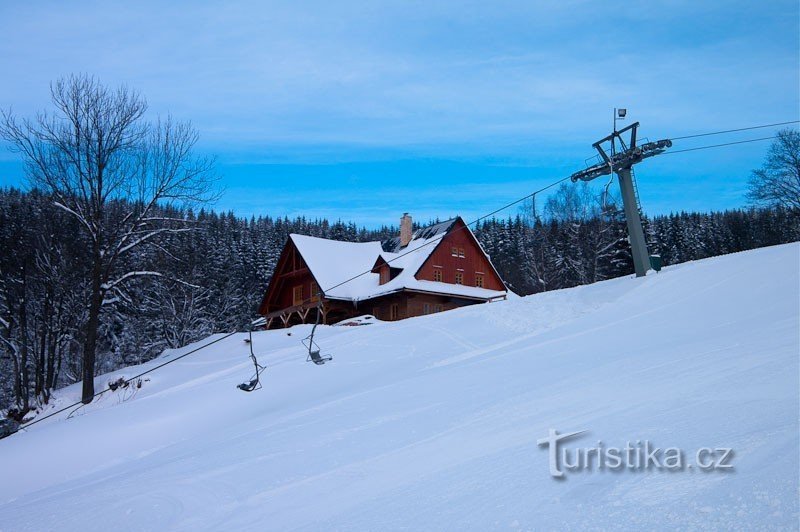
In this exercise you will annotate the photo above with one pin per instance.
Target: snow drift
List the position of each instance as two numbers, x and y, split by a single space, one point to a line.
432 422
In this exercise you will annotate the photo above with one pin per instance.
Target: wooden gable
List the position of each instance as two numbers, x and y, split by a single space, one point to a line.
291 276
385 271
459 254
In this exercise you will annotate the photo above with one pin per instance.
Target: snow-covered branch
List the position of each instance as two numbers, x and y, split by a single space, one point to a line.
111 284
150 235
80 218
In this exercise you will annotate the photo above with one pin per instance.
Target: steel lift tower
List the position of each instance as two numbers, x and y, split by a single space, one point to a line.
622 163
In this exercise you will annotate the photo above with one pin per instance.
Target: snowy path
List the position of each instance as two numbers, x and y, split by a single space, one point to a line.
431 423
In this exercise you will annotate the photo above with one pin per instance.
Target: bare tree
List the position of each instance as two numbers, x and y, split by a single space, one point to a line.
94 150
777 183
592 226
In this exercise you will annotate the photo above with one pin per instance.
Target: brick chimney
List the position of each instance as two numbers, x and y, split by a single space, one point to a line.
405 230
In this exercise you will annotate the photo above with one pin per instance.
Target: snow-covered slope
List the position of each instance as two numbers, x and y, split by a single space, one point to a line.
432 423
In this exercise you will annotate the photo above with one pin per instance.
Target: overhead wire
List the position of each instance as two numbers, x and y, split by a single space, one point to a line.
475 221
126 381
719 145
159 366
735 130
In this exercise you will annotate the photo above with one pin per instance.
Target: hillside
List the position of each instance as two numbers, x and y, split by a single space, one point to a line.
432 422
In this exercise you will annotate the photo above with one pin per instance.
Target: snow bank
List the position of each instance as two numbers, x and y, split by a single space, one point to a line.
431 423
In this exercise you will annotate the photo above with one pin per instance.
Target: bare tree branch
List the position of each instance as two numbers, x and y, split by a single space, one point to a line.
96 150
778 181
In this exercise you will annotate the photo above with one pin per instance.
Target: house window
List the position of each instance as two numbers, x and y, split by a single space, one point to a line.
297 295
479 280
394 312
461 253
437 274
426 308
454 251
437 308
459 278
314 291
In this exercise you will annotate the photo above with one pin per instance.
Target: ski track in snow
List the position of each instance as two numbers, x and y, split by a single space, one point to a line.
431 423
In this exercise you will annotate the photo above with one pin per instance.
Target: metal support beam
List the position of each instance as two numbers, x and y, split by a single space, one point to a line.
621 163
641 257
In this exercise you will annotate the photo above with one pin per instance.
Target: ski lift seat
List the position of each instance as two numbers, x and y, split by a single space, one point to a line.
318 359
255 381
249 386
313 348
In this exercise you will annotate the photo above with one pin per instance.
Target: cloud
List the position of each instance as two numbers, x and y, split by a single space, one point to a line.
400 73
526 84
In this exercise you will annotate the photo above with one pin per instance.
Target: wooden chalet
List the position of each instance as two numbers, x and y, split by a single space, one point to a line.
432 269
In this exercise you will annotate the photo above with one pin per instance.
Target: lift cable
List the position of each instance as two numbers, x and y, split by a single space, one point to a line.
128 381
475 221
228 335
734 130
720 145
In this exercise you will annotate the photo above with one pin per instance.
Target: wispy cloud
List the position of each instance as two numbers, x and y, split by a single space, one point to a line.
502 83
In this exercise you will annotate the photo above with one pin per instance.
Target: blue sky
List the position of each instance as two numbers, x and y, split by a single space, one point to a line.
365 110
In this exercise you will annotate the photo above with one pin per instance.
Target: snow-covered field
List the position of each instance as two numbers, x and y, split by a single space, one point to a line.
432 423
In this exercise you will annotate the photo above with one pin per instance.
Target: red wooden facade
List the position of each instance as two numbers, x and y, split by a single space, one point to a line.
459 252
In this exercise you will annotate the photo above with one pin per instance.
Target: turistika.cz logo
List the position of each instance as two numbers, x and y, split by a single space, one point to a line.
638 456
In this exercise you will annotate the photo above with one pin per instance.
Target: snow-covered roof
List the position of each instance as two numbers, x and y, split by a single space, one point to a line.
332 262
339 266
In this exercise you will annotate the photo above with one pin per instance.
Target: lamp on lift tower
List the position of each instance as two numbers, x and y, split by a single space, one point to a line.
619 114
